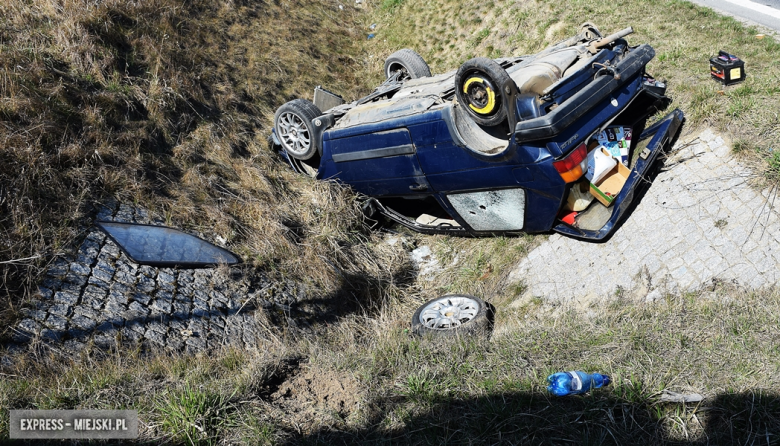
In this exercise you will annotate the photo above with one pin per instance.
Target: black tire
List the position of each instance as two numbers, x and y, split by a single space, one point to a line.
411 65
477 85
294 125
475 317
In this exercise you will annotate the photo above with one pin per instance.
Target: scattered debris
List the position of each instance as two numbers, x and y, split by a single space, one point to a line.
575 382
425 261
727 68
165 247
674 397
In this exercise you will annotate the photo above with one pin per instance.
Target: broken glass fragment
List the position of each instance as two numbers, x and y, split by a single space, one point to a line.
165 247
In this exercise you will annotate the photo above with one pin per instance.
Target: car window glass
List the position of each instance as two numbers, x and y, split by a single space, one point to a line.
162 246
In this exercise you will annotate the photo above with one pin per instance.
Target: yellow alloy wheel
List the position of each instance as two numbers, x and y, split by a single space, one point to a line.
491 96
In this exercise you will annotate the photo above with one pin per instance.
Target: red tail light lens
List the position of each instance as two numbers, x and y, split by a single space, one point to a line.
574 165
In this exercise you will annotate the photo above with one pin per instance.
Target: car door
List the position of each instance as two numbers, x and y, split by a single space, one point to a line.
376 164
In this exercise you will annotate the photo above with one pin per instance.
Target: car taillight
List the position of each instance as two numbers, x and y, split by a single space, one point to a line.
574 165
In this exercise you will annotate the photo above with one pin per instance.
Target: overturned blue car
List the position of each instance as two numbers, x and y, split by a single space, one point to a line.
555 141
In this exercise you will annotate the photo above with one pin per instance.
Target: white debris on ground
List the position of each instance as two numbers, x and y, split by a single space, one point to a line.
425 262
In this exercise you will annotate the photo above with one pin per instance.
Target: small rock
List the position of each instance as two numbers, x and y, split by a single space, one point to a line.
76 279
145 284
101 274
56 322
124 277
61 310
674 397
82 322
74 345
27 328
654 295
194 345
141 298
51 335
79 269
155 336
45 293
51 283
130 336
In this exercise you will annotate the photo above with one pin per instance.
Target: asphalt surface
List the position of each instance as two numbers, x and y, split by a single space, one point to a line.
763 12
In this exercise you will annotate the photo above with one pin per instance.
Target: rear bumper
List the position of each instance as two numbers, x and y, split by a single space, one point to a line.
662 134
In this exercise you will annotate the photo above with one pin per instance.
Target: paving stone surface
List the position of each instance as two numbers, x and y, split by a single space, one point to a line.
699 221
99 297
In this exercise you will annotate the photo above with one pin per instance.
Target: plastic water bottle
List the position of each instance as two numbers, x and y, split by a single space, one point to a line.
575 383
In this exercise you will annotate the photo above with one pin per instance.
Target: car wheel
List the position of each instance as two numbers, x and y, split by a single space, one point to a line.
452 314
409 63
477 83
294 122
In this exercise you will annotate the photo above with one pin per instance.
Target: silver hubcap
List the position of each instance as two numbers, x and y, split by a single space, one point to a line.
449 312
294 134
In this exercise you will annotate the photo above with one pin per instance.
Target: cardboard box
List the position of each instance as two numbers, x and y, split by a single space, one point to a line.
617 140
610 186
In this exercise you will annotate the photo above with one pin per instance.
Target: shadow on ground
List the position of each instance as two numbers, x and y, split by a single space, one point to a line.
597 419
186 310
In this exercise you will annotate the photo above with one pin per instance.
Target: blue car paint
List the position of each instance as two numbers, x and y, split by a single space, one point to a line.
417 155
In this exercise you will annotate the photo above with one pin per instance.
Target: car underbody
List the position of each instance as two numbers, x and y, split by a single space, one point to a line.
495 147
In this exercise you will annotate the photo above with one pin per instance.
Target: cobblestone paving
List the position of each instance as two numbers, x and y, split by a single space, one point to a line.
699 221
99 297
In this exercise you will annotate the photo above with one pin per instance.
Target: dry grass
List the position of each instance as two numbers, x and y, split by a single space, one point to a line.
721 343
169 105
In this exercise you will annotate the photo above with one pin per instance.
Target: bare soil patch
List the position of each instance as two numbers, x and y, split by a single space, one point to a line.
314 395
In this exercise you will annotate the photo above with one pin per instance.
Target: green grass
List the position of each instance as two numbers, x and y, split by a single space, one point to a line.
746 111
194 415
119 133
719 343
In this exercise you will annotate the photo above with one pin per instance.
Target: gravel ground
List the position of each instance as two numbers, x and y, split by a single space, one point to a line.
99 298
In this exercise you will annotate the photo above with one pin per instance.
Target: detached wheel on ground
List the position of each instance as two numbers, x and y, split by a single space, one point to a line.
294 122
478 84
410 65
452 314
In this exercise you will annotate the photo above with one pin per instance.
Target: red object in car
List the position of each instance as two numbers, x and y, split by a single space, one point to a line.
569 218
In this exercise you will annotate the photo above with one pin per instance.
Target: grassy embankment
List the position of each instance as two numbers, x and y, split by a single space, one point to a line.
403 390
169 105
